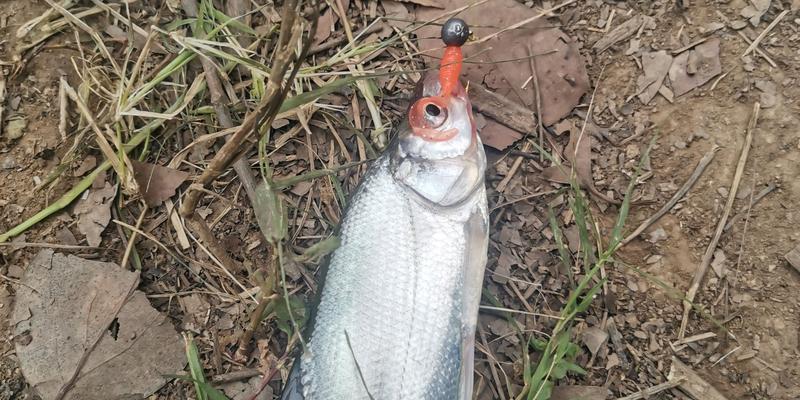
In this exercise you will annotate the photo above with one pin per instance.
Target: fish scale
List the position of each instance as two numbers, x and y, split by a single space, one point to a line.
394 286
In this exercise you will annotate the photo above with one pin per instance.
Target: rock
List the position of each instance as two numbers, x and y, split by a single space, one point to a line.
15 128
653 259
658 235
8 162
632 151
793 257
769 95
738 24
667 187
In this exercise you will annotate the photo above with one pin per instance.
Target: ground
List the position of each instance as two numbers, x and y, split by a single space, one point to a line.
753 302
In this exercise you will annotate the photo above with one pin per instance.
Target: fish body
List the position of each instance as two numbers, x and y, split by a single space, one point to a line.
399 301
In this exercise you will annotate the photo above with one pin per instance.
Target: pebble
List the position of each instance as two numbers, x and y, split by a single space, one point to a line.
8 163
667 187
658 235
632 151
653 259
723 191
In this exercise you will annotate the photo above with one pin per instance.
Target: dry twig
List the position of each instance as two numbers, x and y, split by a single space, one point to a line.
698 170
286 64
764 33
706 261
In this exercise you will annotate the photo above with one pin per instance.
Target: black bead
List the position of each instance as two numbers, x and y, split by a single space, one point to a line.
455 32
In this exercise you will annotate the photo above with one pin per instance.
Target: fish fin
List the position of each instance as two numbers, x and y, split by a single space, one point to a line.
465 381
477 230
293 390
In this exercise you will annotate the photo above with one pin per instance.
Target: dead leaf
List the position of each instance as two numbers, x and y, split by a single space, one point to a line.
87 164
556 173
573 236
594 338
706 64
498 135
563 126
426 3
157 183
656 65
65 236
396 13
578 393
579 154
324 27
65 306
560 68
94 212
241 390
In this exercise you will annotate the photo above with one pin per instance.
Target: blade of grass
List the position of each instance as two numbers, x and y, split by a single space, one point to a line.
86 182
195 366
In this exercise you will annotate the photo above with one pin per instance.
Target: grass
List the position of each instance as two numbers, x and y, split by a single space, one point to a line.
143 109
202 389
557 354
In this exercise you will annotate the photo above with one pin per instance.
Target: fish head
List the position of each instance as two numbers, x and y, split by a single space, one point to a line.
439 154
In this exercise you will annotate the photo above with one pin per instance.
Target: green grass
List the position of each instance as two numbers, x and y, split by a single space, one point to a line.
202 389
557 354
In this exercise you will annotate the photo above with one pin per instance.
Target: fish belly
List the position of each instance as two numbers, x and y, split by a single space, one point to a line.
391 321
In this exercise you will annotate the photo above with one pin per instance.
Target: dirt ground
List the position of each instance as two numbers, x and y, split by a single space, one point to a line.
755 297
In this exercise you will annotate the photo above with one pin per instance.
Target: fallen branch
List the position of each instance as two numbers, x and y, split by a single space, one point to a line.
692 384
698 170
285 66
756 199
652 390
219 101
704 264
764 33
502 110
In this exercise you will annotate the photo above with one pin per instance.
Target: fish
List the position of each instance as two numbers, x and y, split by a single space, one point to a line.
399 299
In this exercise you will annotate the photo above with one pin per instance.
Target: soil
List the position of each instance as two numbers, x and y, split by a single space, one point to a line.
756 300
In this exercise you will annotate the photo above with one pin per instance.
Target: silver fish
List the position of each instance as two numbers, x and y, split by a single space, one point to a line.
399 303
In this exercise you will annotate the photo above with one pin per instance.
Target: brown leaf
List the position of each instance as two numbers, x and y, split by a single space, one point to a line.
578 393
656 65
563 126
397 13
581 158
427 3
594 338
64 308
498 135
157 183
87 164
65 236
559 66
556 173
705 64
94 212
324 27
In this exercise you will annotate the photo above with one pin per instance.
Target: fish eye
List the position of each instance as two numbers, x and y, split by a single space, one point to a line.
432 110
434 114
